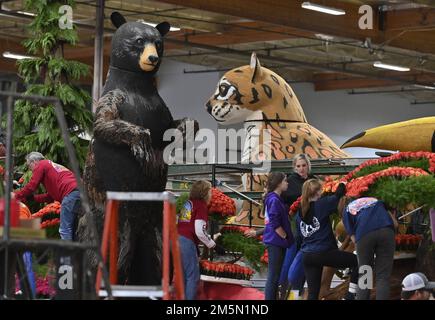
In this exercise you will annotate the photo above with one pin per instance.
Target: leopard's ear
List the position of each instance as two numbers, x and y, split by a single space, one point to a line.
255 67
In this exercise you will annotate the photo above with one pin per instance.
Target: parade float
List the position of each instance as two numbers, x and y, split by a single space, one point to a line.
405 183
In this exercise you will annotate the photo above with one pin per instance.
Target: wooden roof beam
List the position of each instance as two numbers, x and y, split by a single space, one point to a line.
328 81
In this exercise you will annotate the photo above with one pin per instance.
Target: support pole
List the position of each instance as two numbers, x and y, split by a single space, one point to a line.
113 239
176 255
8 189
98 53
166 248
60 115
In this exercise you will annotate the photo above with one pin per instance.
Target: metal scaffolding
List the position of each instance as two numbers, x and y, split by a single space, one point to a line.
7 243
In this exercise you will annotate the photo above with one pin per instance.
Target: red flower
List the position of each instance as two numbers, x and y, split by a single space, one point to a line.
396 157
295 206
48 209
360 185
222 269
265 257
221 204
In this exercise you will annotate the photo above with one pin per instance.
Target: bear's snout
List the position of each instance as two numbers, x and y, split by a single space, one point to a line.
153 59
149 58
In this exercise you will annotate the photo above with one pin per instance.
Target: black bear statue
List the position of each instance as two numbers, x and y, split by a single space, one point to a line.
126 153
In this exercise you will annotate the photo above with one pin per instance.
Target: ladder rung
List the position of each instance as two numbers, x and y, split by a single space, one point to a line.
134 291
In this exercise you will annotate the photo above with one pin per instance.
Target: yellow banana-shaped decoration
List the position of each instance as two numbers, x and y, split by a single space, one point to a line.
412 135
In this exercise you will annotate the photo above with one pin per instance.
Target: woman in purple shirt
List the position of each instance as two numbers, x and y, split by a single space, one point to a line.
277 234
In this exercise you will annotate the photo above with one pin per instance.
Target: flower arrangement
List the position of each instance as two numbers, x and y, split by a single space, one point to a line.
330 185
427 162
44 289
240 229
50 215
357 187
234 240
225 270
403 178
221 204
408 242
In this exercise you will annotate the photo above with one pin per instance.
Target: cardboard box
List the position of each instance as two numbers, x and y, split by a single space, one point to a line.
31 223
25 233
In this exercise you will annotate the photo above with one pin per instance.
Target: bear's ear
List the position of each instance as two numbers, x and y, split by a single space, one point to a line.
117 19
163 28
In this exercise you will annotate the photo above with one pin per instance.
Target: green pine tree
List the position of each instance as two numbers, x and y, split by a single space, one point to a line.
49 74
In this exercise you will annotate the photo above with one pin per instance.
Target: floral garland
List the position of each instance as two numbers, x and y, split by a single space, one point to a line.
394 158
50 215
225 270
359 186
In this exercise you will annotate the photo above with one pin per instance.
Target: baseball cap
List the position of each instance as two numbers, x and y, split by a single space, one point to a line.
416 281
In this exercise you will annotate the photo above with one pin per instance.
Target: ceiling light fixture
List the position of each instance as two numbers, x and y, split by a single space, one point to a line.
424 86
27 13
324 37
379 64
15 56
323 9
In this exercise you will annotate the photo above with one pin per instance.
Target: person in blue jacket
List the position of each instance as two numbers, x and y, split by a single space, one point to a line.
372 227
319 245
277 234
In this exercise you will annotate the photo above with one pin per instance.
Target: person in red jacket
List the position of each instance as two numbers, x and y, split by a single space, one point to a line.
60 185
192 229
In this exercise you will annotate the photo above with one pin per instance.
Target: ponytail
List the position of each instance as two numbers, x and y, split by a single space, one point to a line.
309 190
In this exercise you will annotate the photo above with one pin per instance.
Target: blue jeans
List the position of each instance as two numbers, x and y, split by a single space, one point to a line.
288 260
276 257
68 213
292 272
296 274
190 261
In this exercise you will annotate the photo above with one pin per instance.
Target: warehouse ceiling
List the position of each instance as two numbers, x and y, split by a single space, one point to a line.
302 45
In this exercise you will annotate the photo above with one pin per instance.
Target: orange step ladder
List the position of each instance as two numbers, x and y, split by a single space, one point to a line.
109 244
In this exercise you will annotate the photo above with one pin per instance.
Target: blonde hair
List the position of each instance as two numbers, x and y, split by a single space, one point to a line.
309 190
200 190
301 156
